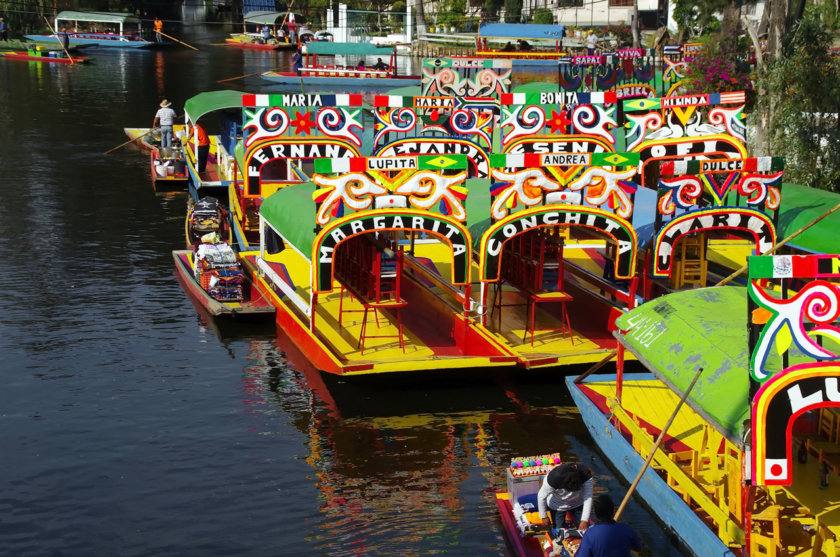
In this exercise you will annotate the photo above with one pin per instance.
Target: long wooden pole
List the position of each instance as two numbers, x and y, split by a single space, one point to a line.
133 139
656 445
177 41
72 60
244 76
783 242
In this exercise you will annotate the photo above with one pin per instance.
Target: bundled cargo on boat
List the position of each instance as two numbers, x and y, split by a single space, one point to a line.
217 270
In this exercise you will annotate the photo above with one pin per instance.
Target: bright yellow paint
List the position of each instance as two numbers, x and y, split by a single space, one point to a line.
712 481
384 354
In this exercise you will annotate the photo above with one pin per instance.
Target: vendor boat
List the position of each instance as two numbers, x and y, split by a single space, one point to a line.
51 57
518 509
114 30
169 169
213 276
348 65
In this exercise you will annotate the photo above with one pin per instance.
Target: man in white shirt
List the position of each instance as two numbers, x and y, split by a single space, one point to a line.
165 116
591 42
567 487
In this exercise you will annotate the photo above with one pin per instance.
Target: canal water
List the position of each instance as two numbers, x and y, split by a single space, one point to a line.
132 425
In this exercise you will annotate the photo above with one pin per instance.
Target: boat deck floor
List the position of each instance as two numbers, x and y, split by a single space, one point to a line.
801 504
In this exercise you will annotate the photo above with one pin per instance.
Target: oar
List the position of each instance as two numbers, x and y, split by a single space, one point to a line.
783 242
656 445
177 41
72 61
244 76
138 138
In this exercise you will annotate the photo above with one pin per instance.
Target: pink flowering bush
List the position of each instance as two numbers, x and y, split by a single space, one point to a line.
717 68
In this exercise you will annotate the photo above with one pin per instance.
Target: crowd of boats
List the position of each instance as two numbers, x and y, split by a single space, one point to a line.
456 223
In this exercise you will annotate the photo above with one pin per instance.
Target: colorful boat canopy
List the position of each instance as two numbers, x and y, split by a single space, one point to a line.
711 99
467 63
528 31
386 164
300 99
97 17
529 160
755 164
794 266
559 97
330 48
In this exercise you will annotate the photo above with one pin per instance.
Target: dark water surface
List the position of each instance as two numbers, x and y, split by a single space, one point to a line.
131 425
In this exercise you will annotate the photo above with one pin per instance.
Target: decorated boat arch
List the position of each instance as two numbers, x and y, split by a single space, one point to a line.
698 199
371 269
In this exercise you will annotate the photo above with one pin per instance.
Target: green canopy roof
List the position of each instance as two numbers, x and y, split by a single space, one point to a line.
800 206
265 18
291 212
204 103
329 48
99 17
678 333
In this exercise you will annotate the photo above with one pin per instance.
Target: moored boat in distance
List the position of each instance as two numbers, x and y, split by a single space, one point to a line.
328 63
51 57
115 30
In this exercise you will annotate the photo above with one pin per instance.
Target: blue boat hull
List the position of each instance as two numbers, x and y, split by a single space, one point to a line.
373 82
75 41
665 503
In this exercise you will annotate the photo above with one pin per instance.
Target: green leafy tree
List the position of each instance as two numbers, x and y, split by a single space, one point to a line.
543 15
492 7
396 18
803 87
451 13
513 11
698 17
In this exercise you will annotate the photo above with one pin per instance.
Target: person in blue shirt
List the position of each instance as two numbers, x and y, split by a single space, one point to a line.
4 30
606 537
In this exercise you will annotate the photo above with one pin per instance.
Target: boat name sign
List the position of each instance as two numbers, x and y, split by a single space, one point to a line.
329 238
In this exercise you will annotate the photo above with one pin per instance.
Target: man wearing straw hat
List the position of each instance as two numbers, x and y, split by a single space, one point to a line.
165 116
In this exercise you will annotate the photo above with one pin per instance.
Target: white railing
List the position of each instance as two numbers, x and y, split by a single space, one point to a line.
285 288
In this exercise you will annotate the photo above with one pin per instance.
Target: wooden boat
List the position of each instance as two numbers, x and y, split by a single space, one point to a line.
205 216
725 477
119 30
19 45
234 291
51 57
148 139
546 49
518 509
259 16
328 63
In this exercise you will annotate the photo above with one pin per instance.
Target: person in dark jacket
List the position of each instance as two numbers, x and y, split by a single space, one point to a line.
606 537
